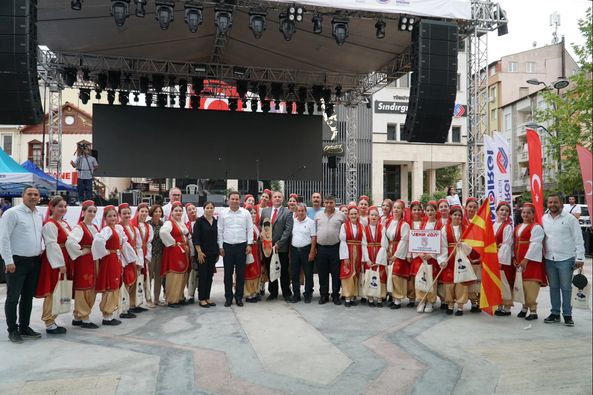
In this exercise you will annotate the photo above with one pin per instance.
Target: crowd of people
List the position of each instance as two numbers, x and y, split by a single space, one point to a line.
361 248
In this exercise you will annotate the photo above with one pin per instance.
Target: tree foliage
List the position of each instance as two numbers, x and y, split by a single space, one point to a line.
570 115
448 177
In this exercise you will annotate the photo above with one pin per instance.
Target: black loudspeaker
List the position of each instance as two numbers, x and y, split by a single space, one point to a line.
332 162
433 84
95 154
20 102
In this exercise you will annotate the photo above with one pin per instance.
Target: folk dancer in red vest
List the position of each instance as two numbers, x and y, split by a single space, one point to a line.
253 267
503 232
130 276
363 209
78 245
353 253
442 219
374 233
55 261
529 238
146 235
175 263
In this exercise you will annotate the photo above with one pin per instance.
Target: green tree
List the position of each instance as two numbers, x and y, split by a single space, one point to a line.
570 114
447 177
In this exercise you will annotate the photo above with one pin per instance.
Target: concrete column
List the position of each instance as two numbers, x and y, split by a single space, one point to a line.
417 180
464 181
431 177
377 187
404 182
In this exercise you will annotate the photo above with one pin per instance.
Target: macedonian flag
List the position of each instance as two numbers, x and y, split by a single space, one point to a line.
480 236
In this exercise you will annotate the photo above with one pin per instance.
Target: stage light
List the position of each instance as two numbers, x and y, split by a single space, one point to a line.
148 99
120 10
144 81
141 8
102 81
406 23
295 13
76 5
193 15
317 23
289 107
113 79
239 71
380 28
98 94
503 29
84 95
194 102
310 107
197 85
338 90
233 104
110 97
286 26
124 98
277 105
277 91
340 30
327 96
300 108
253 105
172 81
136 97
317 92
70 74
164 13
302 94
329 109
223 19
161 100
242 87
262 91
172 100
265 106
158 82
86 75
257 22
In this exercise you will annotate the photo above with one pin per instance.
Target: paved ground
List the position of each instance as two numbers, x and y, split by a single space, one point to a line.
280 348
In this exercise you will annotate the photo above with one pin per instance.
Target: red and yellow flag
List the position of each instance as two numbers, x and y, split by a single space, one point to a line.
480 236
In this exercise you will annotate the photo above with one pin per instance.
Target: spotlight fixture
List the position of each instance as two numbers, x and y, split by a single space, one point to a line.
110 97
233 104
253 105
406 23
295 13
144 81
193 15
113 79
310 107
265 106
161 100
197 85
69 75
329 109
289 107
194 102
86 75
286 26
380 28
164 13
136 97
98 94
172 81
141 8
76 5
84 95
102 81
148 99
262 91
338 90
340 30
124 98
327 96
223 19
242 87
317 92
300 108
317 23
302 94
257 22
158 82
120 10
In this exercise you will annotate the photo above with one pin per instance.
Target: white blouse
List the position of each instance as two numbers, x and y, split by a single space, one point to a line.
127 253
344 254
138 246
388 235
167 228
52 248
535 250
142 230
505 250
443 258
73 242
381 261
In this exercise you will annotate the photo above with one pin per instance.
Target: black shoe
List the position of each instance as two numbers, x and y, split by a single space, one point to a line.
173 305
127 315
552 319
228 303
211 304
449 311
29 333
138 309
458 313
182 302
389 299
395 306
204 305
323 299
59 330
251 300
337 301
347 304
295 299
531 317
353 302
522 314
112 322
76 322
444 306
411 304
307 299
287 299
262 292
363 300
501 313
568 320
15 337
191 301
89 325
379 304
475 309
239 303
371 304
271 297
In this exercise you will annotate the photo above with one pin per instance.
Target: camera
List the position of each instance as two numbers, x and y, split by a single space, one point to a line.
82 146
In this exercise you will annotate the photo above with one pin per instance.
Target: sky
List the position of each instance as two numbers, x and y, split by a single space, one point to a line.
529 22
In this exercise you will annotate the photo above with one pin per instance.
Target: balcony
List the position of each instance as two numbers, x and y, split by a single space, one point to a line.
522 157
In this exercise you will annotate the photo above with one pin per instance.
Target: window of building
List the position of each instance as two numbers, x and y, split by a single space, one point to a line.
7 143
492 93
392 131
456 134
392 181
492 71
512 67
404 82
530 67
35 152
523 91
507 122
458 82
494 114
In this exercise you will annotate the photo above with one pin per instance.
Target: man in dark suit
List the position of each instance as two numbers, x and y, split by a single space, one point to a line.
282 220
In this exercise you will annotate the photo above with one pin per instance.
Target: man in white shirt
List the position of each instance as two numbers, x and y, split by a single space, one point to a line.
564 252
21 246
235 237
572 207
174 196
302 250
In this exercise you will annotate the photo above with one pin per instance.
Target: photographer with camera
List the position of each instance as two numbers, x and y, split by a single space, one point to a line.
85 165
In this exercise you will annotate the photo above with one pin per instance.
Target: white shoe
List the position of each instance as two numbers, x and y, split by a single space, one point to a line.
428 308
420 308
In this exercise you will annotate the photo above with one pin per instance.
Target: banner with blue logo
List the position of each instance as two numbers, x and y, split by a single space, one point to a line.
498 175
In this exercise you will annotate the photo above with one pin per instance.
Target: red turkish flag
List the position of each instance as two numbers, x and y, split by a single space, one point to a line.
586 161
536 179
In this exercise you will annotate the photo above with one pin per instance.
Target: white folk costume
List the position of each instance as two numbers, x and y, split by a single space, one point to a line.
175 263
503 232
132 271
85 277
353 252
146 234
454 293
431 260
529 245
394 251
374 235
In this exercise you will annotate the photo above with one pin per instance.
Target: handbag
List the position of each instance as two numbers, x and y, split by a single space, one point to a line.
464 272
390 278
275 267
249 260
518 293
423 280
124 299
62 296
581 291
372 283
139 289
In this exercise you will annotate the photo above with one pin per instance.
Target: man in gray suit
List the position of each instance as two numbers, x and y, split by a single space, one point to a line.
282 220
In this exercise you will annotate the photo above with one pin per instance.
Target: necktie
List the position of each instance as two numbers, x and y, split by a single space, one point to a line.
274 215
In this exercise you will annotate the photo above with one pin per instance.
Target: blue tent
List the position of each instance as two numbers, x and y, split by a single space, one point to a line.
32 167
13 178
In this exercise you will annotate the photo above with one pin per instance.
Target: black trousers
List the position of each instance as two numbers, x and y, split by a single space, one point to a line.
284 276
299 257
234 260
205 273
21 285
328 262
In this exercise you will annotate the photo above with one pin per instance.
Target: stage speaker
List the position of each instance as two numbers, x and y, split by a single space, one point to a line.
95 154
332 162
433 83
20 102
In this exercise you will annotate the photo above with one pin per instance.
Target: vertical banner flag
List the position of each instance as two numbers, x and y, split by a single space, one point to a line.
489 165
534 146
502 171
586 161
